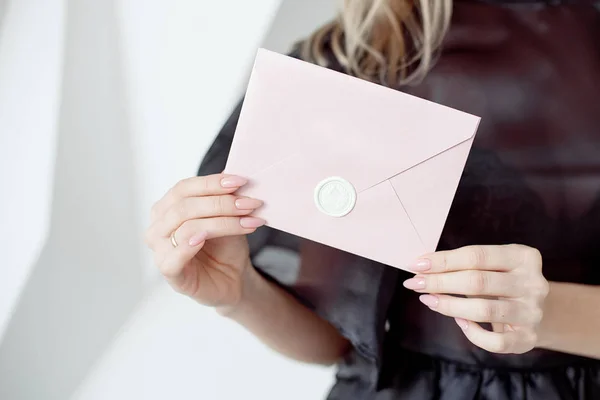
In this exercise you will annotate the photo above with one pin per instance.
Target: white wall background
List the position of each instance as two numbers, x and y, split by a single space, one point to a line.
103 106
30 35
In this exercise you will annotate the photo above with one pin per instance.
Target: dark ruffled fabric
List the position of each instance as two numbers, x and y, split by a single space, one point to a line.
417 376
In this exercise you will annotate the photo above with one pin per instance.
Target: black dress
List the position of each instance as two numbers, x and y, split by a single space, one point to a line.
531 70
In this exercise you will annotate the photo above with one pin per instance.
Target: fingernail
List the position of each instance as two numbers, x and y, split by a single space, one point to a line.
197 239
233 181
464 325
429 300
251 222
420 265
247 204
418 282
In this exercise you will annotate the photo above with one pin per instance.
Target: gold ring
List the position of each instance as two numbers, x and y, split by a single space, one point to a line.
173 240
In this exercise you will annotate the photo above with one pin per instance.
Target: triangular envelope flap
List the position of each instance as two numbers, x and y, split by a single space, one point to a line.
361 131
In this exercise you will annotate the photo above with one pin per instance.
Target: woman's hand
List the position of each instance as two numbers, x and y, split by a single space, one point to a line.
504 286
198 237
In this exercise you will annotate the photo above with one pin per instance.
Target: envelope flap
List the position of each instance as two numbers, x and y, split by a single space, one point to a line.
363 132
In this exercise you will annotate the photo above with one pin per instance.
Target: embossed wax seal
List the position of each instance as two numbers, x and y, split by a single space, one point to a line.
335 196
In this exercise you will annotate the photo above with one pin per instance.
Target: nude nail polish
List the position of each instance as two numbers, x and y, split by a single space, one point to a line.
418 282
252 222
429 300
420 265
245 203
233 181
464 325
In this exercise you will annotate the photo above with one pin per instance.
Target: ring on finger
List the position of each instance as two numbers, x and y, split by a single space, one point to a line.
173 240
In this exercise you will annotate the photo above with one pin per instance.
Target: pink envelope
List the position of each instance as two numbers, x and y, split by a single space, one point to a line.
348 163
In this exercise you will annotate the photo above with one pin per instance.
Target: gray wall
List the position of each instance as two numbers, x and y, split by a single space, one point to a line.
85 283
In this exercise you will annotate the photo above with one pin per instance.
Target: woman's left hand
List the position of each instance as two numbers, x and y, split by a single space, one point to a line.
504 286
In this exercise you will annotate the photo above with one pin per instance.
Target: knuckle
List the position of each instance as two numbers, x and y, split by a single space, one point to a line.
527 256
543 288
154 211
508 311
533 256
222 204
514 247
532 338
229 224
513 254
176 214
477 256
204 184
148 237
478 282
180 188
185 230
434 284
216 206
537 287
177 190
536 315
444 262
488 311
181 210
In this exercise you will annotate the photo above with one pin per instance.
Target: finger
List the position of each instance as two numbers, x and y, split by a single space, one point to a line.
489 258
218 227
478 310
509 341
200 207
176 259
161 249
469 283
497 327
197 186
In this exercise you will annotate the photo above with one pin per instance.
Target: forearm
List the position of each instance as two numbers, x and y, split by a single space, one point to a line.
571 322
282 323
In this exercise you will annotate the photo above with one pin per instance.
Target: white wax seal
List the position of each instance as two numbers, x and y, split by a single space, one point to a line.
335 196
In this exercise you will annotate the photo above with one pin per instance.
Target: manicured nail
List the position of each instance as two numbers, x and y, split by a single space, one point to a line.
197 239
420 265
233 181
464 325
429 300
418 282
251 222
247 204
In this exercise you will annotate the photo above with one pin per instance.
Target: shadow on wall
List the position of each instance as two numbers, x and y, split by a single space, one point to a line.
3 7
88 277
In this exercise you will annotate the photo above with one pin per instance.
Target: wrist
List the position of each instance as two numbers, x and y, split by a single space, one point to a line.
250 283
548 322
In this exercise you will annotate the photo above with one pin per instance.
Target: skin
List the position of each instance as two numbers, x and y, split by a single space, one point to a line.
211 265
503 285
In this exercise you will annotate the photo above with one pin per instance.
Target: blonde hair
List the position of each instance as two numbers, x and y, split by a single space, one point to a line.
393 42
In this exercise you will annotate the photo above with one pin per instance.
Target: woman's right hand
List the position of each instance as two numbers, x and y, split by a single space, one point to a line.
209 224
